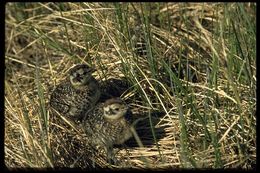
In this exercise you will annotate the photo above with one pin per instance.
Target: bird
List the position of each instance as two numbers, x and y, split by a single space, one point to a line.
77 94
109 124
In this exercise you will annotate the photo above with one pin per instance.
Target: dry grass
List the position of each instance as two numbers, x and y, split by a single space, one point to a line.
194 67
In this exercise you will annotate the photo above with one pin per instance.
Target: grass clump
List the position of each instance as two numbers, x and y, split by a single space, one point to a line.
190 66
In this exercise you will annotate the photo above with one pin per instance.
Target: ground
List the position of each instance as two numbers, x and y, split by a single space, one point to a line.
188 71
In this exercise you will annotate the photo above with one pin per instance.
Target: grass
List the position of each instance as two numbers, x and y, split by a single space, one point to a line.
193 62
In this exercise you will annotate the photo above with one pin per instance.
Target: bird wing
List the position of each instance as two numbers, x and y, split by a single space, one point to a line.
59 97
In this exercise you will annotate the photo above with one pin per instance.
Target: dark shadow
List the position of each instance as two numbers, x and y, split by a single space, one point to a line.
113 88
144 131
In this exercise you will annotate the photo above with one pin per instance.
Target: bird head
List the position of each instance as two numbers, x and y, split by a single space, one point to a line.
81 75
114 109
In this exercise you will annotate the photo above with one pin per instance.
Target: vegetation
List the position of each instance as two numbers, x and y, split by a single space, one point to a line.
193 62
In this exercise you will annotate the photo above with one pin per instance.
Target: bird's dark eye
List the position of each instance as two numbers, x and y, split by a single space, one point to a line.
116 109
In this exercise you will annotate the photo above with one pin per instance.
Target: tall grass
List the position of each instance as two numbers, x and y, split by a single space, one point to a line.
195 62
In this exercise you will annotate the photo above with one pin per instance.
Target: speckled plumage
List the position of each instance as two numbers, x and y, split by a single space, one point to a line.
77 94
109 123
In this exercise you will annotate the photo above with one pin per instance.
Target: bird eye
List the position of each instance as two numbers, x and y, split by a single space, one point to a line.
116 109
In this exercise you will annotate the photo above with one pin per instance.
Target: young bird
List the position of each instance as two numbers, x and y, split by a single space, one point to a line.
77 94
109 124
